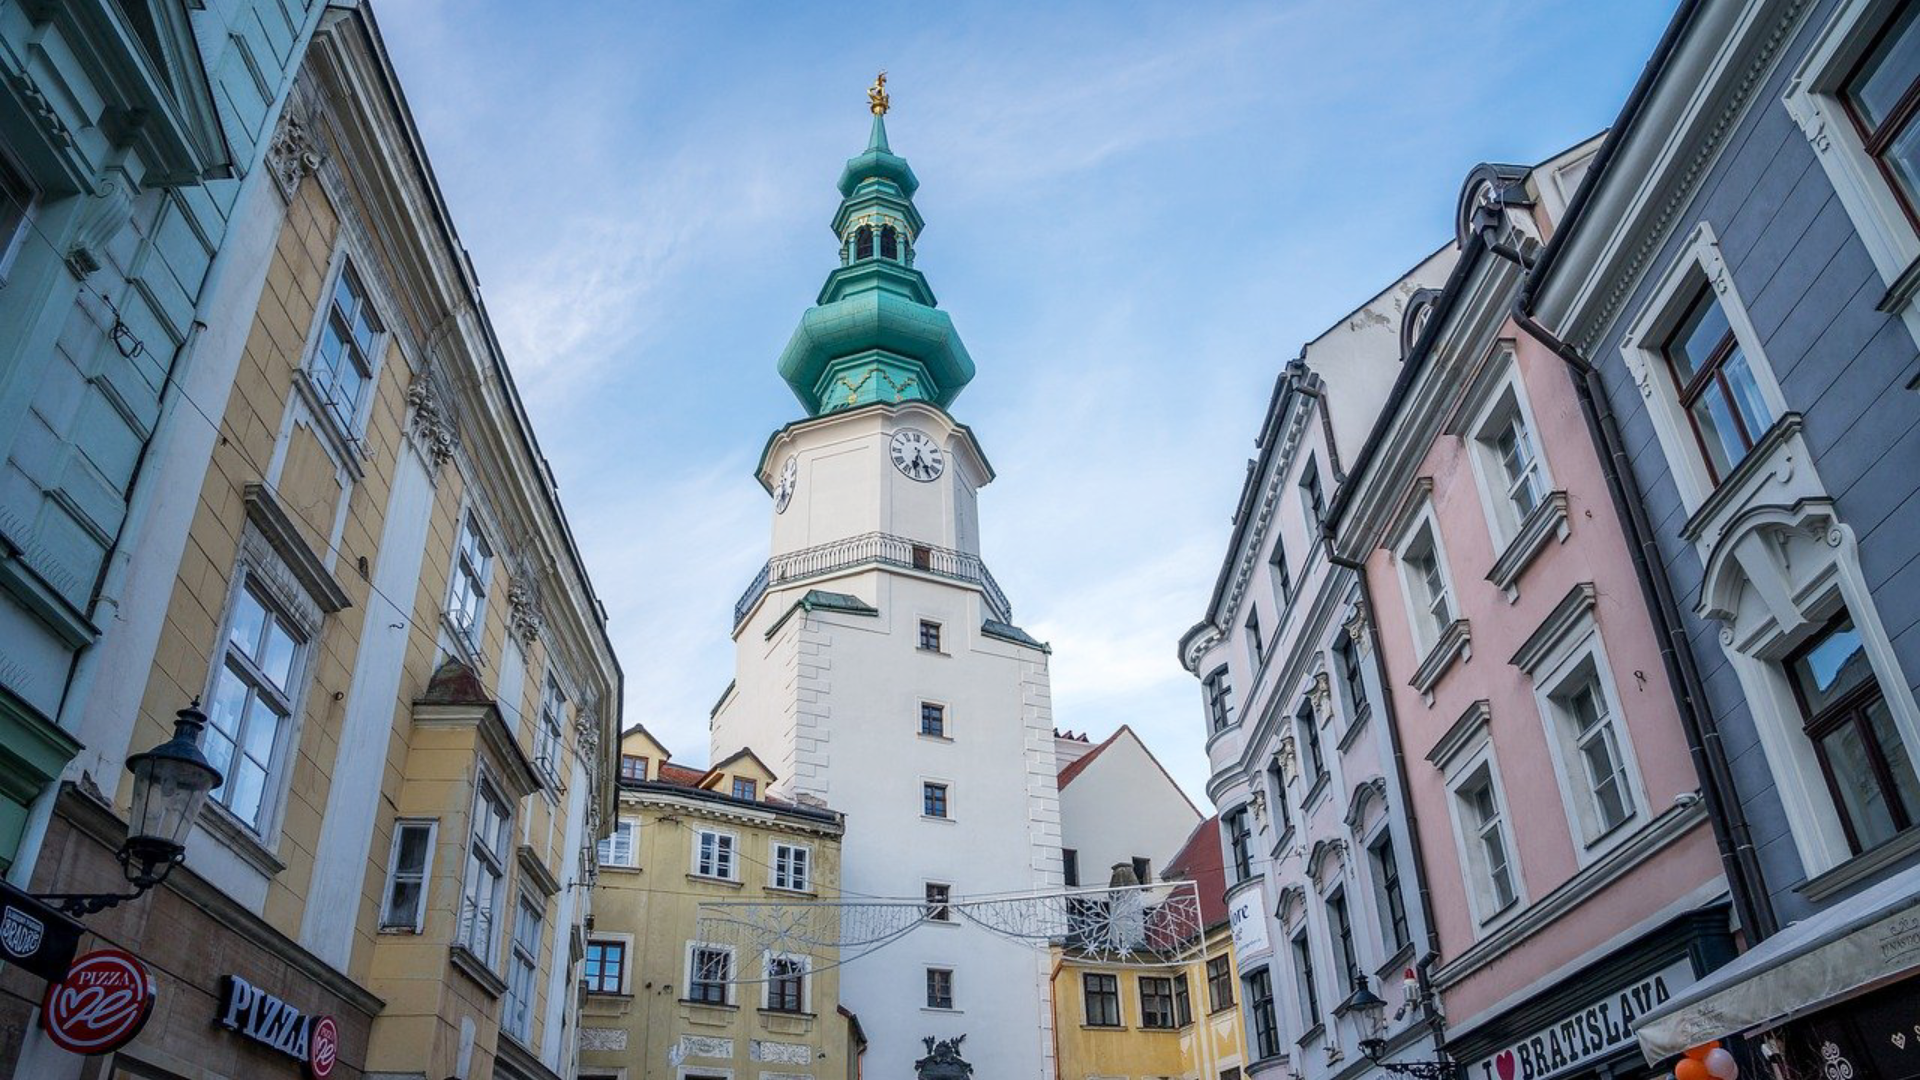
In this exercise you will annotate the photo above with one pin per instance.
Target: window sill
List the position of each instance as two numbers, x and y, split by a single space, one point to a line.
1549 519
1824 885
781 890
234 834
727 1005
708 879
470 965
931 737
1455 643
1313 794
621 867
1754 470
794 1014
941 820
1103 1027
948 1011
1312 1034
1355 727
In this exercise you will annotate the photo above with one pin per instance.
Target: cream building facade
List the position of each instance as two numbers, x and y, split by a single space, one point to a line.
877 667
372 588
661 1003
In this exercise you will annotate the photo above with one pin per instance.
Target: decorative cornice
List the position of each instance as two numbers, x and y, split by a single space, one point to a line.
431 424
1324 849
1549 518
1364 793
1455 641
535 870
1291 897
1406 516
1464 731
271 521
1566 616
293 155
1679 191
103 826
1770 459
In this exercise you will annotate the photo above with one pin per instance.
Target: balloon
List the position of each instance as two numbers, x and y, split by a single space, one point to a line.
1691 1069
1699 1053
1720 1065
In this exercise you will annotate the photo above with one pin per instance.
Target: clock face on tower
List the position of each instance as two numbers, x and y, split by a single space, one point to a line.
916 454
789 479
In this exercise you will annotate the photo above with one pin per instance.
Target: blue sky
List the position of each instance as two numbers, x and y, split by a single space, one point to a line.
1135 215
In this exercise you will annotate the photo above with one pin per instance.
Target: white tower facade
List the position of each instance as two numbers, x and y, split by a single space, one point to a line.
878 672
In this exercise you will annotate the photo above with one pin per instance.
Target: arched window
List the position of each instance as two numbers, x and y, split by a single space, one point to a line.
863 242
889 242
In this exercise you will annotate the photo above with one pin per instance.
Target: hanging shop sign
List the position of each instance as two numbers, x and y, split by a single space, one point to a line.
35 937
1249 922
1586 1034
250 1011
101 1005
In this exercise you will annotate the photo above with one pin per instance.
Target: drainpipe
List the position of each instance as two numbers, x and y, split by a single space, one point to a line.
1724 812
1429 1012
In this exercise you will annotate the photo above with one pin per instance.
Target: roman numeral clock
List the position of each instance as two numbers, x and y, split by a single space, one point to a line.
917 455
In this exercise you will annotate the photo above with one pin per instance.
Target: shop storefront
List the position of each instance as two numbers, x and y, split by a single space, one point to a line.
1835 996
1582 1027
230 996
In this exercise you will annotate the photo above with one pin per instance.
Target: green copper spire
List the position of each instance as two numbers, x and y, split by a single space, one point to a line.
875 333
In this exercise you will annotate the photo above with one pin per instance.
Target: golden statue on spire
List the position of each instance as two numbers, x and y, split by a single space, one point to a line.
877 94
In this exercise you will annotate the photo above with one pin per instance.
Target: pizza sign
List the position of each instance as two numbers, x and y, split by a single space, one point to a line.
265 1018
101 1005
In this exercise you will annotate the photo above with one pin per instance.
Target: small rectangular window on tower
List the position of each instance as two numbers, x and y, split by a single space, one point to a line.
933 800
933 720
929 636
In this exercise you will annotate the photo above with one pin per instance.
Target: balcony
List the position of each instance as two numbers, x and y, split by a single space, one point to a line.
874 549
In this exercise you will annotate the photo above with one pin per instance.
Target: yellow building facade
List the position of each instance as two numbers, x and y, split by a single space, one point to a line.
1135 1023
378 603
660 1003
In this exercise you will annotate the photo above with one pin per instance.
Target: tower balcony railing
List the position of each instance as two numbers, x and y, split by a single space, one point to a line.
874 549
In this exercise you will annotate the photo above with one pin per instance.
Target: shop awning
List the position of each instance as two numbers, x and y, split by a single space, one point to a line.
1852 946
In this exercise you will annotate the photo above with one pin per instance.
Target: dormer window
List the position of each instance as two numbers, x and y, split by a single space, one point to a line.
889 242
863 242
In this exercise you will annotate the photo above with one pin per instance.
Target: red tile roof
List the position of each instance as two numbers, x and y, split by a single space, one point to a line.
1200 859
681 775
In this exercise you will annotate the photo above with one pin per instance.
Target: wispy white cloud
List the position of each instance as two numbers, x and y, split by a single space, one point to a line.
1138 213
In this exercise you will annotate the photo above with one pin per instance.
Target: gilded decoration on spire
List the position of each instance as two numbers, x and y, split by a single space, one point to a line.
877 95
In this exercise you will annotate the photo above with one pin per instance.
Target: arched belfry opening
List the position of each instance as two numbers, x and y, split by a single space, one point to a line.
863 242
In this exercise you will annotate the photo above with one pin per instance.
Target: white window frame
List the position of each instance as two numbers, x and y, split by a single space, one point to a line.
396 877
729 987
1506 405
806 981
471 629
1423 530
345 429
523 970
487 948
1468 765
1699 263
1580 655
1813 100
550 727
607 850
946 719
731 852
945 915
270 584
783 852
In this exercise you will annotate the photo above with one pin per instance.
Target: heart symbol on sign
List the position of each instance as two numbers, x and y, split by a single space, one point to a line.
1900 1040
1503 1064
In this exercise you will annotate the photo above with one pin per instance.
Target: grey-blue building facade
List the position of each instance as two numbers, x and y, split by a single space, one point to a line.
134 136
1735 289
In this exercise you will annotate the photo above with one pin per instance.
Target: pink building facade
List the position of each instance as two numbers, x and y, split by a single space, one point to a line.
1575 872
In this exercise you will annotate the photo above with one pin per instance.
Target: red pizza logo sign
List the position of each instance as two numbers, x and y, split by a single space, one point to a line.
323 1048
101 1005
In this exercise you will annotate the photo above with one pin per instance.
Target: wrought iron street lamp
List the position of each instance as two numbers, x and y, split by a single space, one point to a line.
1376 1048
170 786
